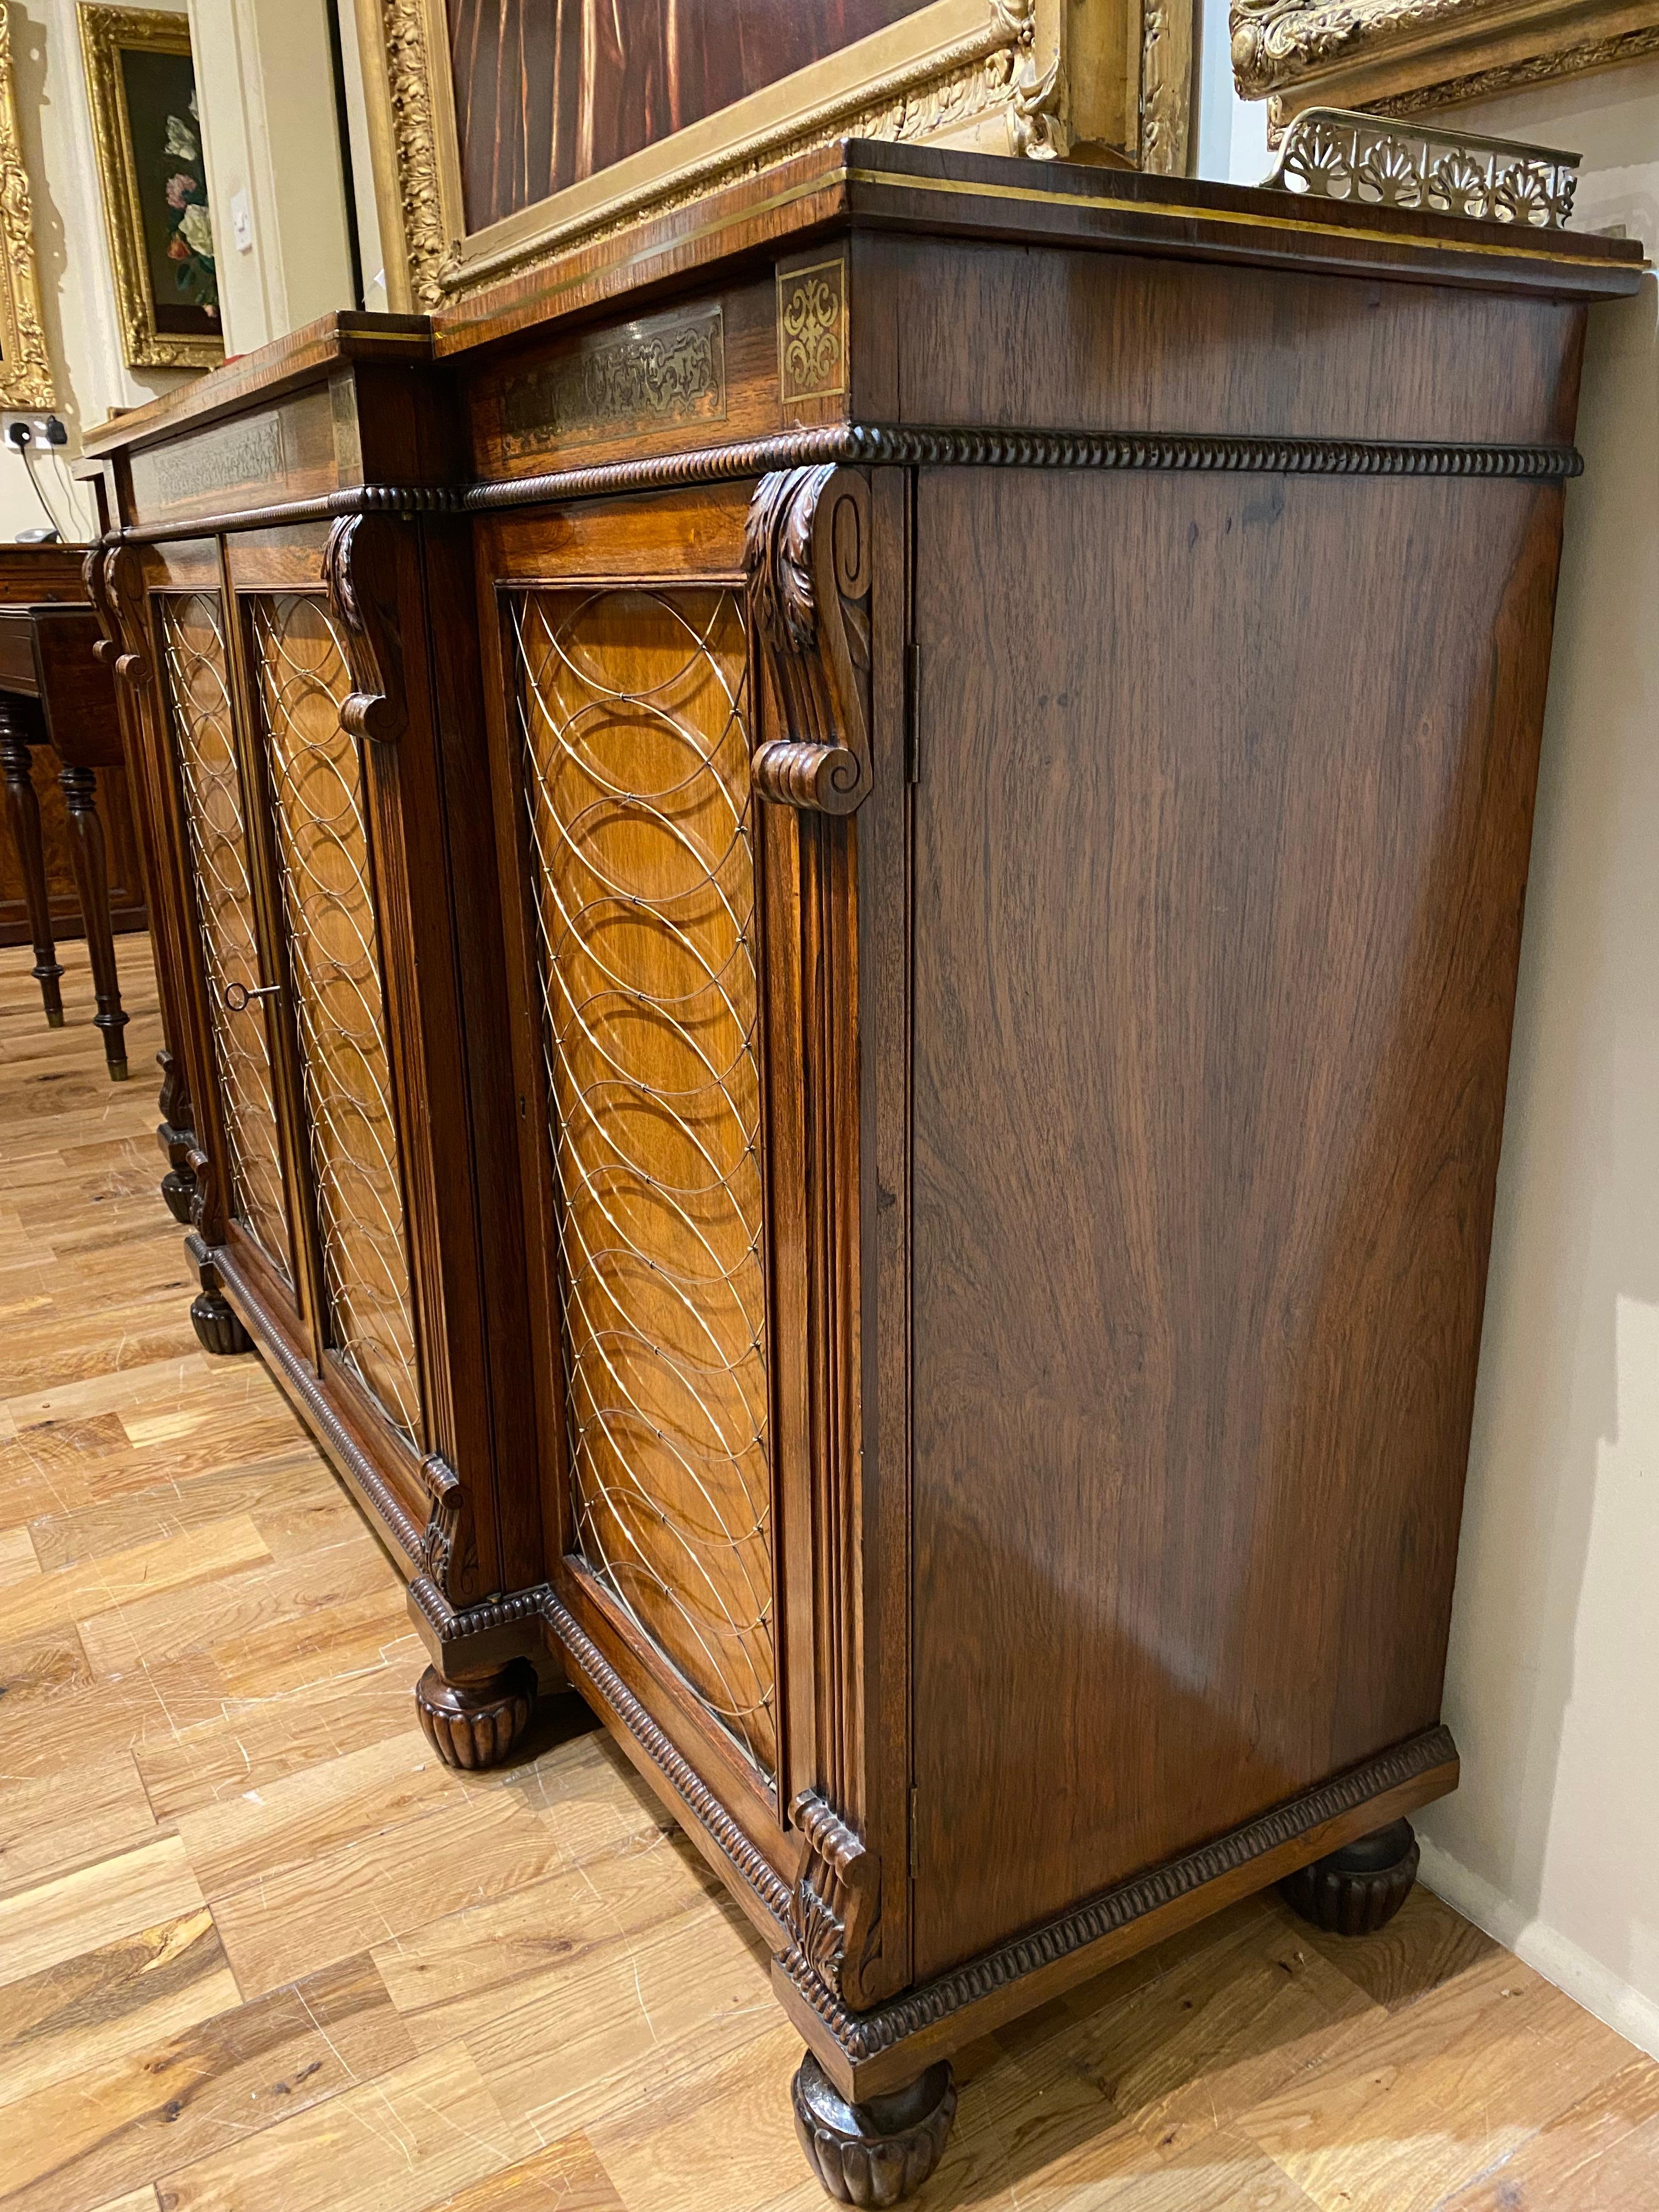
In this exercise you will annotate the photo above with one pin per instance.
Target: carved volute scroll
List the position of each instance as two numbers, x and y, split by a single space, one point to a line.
120 607
834 1913
360 568
806 547
441 1538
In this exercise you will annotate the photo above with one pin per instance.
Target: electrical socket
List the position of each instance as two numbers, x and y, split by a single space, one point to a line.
44 430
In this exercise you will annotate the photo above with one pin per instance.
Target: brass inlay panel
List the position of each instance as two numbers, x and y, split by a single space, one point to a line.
657 375
196 683
812 331
334 960
632 715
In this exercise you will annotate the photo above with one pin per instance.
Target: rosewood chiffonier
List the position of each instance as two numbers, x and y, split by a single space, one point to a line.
961 1105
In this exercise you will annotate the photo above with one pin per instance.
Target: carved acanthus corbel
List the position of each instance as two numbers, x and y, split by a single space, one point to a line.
836 1909
120 606
806 548
445 1494
360 569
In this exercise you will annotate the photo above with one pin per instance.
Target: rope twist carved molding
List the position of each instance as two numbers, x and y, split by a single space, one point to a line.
867 2034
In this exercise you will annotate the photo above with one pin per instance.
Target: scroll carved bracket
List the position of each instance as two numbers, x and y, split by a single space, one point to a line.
446 1495
120 608
834 1910
807 548
359 571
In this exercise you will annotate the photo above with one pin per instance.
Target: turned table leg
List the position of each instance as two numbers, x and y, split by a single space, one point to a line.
879 2153
23 812
1359 1889
80 787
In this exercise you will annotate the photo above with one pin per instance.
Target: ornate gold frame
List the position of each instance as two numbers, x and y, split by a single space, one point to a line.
1109 79
25 363
104 33
1406 58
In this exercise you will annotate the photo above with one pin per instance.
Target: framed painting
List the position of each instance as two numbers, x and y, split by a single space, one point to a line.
24 364
141 81
507 131
1410 58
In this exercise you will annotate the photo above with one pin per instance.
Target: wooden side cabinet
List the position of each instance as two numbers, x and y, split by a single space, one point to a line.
986 723
325 840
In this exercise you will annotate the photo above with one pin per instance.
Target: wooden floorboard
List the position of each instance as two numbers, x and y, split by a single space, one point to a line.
260 1953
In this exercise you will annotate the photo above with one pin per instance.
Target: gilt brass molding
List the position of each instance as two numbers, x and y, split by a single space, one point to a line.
1330 153
1406 58
1032 77
104 33
25 363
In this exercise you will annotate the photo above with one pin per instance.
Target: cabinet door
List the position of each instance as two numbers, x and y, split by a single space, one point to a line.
326 906
216 816
629 732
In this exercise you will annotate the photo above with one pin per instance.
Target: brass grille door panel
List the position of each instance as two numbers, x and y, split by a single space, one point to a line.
633 745
300 680
195 678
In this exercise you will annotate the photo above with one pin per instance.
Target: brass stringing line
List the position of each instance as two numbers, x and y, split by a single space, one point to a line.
217 833
565 708
317 779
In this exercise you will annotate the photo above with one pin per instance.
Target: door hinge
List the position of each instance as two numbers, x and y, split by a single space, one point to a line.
915 1838
913 714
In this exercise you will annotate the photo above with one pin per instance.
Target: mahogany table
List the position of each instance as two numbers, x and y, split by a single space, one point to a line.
52 692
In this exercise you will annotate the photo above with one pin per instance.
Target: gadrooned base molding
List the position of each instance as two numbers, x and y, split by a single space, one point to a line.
475 1724
879 2153
1357 1890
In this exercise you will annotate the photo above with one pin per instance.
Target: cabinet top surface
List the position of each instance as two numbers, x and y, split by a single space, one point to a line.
869 185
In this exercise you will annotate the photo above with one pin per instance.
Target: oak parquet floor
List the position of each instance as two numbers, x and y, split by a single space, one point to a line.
259 1953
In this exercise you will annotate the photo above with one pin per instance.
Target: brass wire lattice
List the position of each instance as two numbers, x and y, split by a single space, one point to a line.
205 745
328 907
632 719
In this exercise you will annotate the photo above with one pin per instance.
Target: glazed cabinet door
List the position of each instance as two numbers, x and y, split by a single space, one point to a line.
688 1095
325 912
250 1204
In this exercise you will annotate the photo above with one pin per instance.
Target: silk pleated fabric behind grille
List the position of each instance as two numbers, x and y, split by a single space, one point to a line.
215 823
635 773
323 867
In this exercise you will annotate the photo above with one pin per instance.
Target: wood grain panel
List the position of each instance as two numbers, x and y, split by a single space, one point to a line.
335 965
635 759
195 682
1199 1265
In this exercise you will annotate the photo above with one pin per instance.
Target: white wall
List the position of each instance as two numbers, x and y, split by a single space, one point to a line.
77 289
271 141
1552 1691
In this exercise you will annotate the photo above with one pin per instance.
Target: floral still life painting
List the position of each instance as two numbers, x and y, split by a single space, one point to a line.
147 124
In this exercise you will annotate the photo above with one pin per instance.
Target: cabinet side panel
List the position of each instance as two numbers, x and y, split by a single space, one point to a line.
1220 843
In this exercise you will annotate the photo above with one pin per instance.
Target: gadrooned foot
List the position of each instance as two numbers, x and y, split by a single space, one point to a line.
879 2153
475 1724
217 1329
1359 1889
179 1194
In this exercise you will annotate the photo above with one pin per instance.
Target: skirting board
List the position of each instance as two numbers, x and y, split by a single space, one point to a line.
1544 1948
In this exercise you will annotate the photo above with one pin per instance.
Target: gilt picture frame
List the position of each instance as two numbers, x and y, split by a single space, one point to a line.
1412 58
1101 79
141 86
26 378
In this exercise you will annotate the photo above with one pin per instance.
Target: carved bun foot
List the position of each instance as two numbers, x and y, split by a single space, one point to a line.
474 1724
878 2153
1357 1890
217 1329
178 1195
